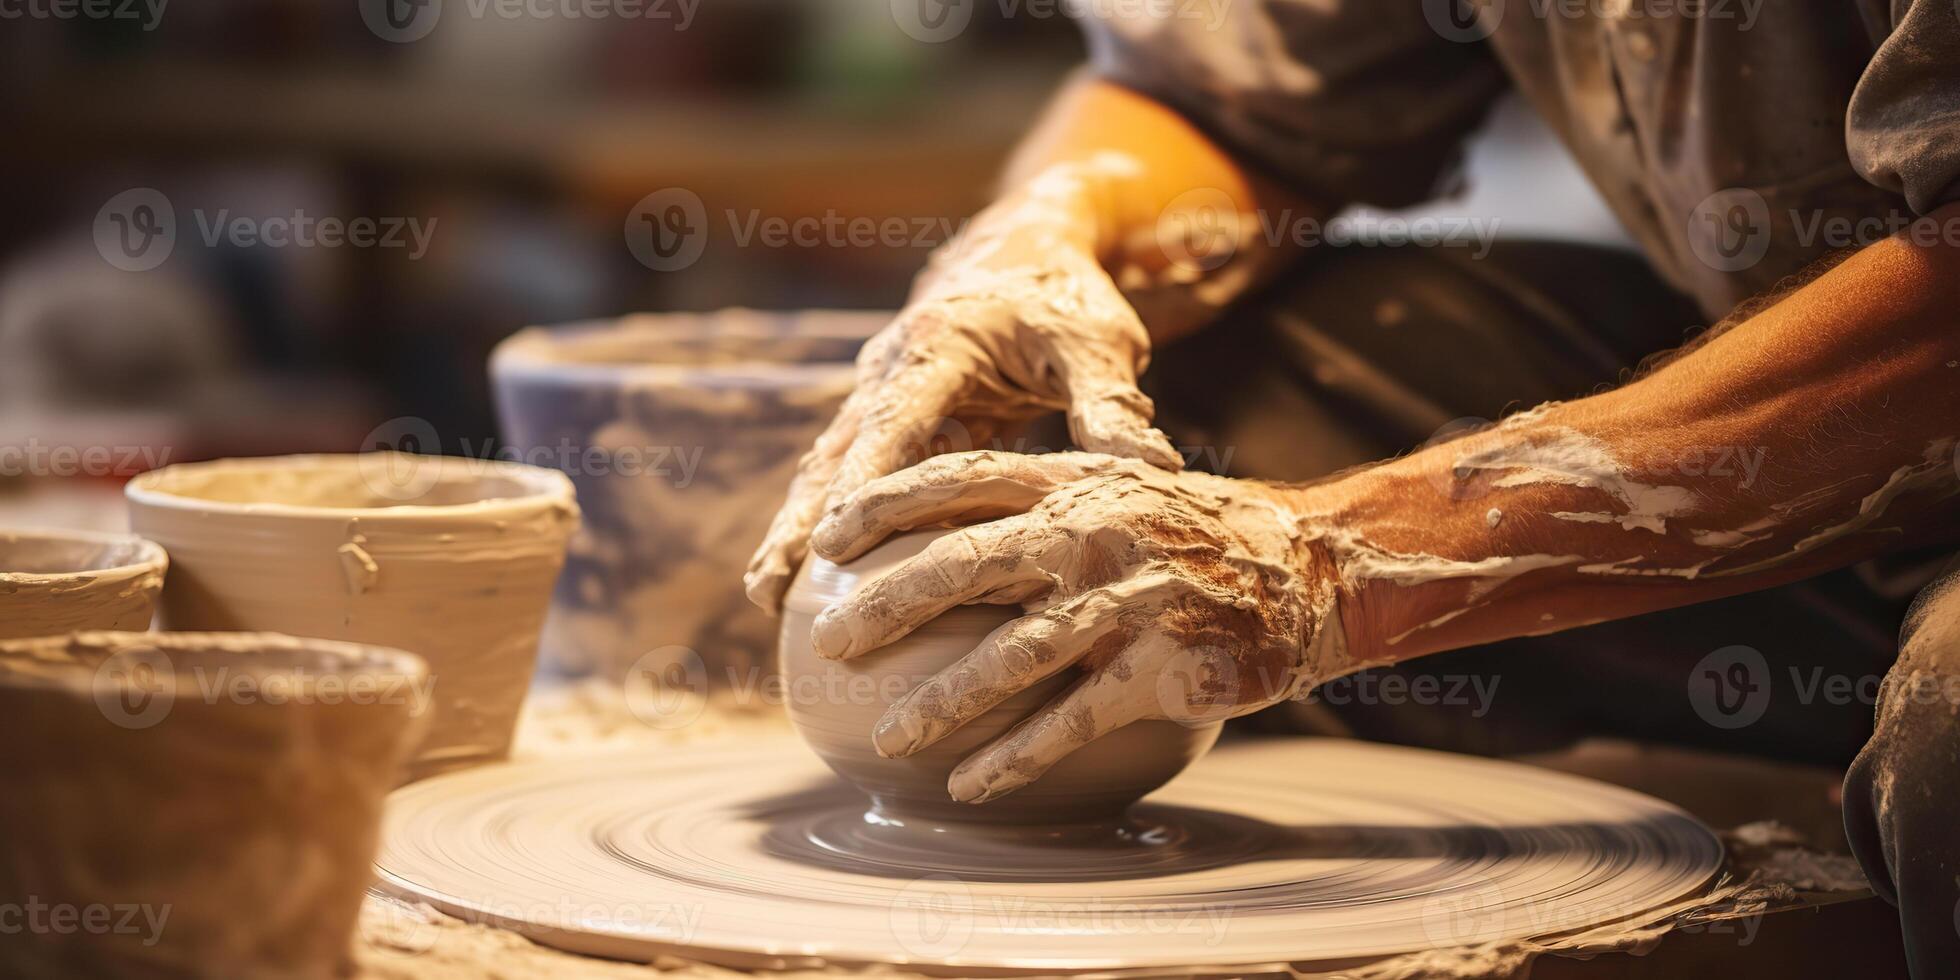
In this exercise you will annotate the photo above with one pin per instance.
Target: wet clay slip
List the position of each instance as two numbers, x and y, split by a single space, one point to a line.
681 432
450 559
835 704
218 794
54 582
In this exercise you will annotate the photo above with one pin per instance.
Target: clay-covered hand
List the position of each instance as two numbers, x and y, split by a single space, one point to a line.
1180 596
1015 319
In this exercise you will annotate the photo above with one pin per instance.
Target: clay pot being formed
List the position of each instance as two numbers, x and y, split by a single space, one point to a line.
681 433
54 582
835 704
450 559
216 796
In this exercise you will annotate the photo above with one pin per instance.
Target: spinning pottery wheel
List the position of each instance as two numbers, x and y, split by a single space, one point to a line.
1295 851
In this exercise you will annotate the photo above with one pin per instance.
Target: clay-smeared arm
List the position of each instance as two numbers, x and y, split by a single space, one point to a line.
1035 308
1816 433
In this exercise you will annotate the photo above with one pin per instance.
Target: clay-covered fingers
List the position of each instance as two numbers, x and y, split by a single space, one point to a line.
899 419
957 488
785 545
1107 412
1098 704
961 567
1011 659
787 542
1117 420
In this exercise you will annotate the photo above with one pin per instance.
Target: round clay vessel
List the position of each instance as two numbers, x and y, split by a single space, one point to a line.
54 582
681 432
451 559
835 704
219 794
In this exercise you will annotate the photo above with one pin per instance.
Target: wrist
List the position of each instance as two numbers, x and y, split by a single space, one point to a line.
1392 568
1335 636
1056 211
1074 203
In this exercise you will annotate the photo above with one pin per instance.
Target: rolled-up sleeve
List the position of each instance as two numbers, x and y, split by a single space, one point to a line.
1903 125
1360 101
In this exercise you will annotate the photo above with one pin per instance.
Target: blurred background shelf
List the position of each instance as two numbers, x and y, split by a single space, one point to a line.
787 157
521 143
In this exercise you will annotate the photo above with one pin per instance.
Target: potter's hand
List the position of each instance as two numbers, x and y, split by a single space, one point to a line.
1179 595
1015 319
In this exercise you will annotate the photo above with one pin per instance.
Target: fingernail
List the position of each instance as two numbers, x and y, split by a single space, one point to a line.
977 785
1167 455
965 787
765 590
830 635
820 538
896 736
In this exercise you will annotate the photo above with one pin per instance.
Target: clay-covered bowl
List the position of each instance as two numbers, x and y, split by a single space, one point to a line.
681 432
54 582
211 802
448 558
835 704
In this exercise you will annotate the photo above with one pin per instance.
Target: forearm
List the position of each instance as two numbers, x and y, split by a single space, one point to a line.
1814 434
1130 176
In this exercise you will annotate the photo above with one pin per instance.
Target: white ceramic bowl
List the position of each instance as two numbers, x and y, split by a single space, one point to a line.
834 705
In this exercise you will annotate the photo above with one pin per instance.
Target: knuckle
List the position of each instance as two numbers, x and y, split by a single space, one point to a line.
949 561
1017 657
949 467
868 505
919 324
884 411
816 458
875 351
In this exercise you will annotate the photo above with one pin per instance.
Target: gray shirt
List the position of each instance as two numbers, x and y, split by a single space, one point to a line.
1738 140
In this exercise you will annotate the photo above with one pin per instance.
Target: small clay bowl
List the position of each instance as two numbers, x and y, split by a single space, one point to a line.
451 559
681 432
199 804
834 705
54 582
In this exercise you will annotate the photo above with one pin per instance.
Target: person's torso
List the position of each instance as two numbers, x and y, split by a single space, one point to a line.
1714 128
